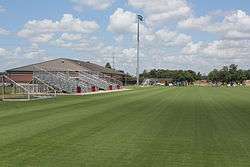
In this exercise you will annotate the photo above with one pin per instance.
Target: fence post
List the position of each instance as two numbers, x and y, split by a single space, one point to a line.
28 95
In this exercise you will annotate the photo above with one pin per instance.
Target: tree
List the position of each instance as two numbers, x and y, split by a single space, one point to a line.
247 73
241 76
224 75
108 65
180 77
177 75
233 70
198 76
214 76
229 75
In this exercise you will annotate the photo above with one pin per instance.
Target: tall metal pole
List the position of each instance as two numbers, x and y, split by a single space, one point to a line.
138 52
3 87
113 59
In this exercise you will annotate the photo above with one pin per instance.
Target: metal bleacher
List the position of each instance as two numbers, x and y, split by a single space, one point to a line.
59 80
69 82
94 80
99 80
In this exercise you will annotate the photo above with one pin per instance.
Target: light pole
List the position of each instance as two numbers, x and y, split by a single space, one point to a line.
3 87
113 59
139 18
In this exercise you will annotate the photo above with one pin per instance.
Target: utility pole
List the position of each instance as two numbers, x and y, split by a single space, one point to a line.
113 59
139 18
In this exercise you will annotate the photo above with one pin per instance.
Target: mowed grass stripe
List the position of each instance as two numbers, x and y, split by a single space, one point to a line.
118 141
209 147
23 107
227 130
144 127
65 109
163 128
77 114
51 119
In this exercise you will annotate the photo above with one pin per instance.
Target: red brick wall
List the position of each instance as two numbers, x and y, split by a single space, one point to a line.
21 77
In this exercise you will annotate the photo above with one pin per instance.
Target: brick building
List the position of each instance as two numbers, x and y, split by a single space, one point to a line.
63 65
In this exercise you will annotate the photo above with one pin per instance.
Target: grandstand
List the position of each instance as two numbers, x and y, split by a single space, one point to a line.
61 76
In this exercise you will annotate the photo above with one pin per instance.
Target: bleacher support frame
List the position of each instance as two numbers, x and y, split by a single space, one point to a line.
25 91
59 80
53 82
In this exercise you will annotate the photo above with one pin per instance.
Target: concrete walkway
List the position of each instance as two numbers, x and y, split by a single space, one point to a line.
93 93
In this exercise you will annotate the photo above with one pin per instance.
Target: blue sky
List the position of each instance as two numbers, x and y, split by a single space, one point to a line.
184 34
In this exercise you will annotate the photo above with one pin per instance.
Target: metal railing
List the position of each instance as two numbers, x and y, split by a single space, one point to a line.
69 81
59 80
104 80
93 80
21 88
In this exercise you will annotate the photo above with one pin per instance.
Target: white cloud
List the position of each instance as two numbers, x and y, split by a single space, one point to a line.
195 23
161 46
3 52
122 21
155 44
233 46
95 4
192 48
32 52
42 38
119 38
71 37
162 10
2 9
234 34
125 58
4 31
172 38
42 31
84 44
235 25
220 49
128 53
228 49
20 56
164 48
69 32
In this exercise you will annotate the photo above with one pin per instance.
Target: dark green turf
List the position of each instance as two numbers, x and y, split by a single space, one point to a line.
145 127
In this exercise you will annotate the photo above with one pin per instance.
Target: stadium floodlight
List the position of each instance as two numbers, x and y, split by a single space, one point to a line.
139 19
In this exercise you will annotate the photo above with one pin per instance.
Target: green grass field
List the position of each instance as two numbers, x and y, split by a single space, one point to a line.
145 127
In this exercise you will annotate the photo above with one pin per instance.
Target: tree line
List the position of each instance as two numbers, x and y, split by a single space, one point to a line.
176 75
226 75
229 75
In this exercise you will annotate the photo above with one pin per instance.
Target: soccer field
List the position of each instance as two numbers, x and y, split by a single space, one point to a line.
144 127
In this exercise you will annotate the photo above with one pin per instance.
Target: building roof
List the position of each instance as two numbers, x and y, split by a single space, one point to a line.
63 64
